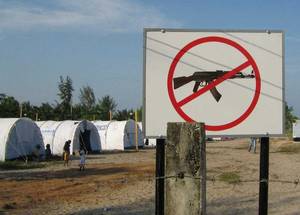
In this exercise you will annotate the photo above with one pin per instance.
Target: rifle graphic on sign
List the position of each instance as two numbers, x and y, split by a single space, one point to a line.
204 78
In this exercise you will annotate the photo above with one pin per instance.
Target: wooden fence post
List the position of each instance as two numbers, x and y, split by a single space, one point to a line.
203 170
183 161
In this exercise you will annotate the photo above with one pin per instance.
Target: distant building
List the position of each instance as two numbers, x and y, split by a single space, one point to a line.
296 130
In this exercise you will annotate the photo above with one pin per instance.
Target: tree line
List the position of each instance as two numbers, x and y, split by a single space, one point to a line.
89 107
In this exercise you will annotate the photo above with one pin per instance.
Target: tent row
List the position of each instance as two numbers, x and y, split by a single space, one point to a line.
81 133
20 137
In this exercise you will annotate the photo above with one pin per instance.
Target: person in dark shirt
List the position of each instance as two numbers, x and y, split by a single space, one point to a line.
66 154
48 152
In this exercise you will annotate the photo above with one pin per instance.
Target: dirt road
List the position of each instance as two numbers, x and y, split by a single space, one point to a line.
123 183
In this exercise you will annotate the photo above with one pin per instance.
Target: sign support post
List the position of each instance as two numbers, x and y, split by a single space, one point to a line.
263 176
160 173
136 131
184 168
203 171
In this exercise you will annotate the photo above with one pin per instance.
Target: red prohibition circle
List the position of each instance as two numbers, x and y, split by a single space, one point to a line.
250 62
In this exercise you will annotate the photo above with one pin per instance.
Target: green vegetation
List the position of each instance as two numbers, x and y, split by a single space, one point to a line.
230 177
17 165
289 148
105 104
87 98
290 118
89 107
65 93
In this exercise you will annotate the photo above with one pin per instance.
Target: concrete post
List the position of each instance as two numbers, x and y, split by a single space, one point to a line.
183 161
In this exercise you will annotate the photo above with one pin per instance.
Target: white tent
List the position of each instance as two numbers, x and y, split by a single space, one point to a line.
48 129
102 131
40 123
19 138
296 130
118 135
57 133
149 142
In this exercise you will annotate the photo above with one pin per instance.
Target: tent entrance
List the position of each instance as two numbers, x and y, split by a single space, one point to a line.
85 140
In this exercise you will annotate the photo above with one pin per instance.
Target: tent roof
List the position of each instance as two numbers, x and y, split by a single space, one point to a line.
50 125
117 134
6 125
67 130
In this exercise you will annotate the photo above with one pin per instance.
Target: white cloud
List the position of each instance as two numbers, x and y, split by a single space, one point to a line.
101 15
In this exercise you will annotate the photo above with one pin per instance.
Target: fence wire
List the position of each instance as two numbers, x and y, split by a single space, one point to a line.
214 179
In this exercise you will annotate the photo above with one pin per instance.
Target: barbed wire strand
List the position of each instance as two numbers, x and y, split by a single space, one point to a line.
216 179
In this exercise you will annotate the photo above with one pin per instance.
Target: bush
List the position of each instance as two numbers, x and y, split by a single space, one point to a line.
230 177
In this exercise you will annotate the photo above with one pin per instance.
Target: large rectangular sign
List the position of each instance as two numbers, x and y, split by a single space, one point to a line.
233 81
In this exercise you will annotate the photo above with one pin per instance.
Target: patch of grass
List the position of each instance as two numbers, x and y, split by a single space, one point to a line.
289 148
17 165
230 177
9 206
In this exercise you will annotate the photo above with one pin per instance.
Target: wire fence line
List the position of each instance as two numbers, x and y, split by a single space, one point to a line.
234 182
216 178
253 44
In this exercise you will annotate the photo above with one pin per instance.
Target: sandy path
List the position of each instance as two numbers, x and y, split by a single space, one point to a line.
123 183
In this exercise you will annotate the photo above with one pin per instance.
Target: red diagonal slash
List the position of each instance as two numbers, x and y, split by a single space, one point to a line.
214 83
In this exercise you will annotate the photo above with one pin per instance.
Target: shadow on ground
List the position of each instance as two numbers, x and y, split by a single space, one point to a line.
61 174
138 208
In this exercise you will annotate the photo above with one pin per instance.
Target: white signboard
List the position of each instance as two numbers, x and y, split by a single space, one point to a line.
230 80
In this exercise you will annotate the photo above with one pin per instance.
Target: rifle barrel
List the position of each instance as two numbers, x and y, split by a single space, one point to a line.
205 76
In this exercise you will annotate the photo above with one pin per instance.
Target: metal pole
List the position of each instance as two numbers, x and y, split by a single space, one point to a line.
110 115
160 172
21 110
136 132
71 110
263 176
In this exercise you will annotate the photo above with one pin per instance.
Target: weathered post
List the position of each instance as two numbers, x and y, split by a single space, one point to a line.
203 171
183 161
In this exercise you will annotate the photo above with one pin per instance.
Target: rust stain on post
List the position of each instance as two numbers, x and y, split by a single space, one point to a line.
183 160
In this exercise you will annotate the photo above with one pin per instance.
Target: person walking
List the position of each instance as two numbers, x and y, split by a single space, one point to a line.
82 154
66 153
252 144
48 152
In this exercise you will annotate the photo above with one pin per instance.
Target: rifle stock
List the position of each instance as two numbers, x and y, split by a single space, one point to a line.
183 80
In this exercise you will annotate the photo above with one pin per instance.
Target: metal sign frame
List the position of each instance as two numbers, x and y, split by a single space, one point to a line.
163 30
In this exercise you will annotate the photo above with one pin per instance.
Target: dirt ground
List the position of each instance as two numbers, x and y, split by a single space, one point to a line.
123 183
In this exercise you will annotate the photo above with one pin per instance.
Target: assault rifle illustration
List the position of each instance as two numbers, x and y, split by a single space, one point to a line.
204 78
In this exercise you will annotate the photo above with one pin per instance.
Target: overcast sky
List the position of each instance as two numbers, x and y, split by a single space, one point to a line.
100 42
